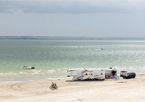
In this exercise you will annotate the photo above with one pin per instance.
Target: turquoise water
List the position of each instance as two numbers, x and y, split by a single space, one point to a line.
52 58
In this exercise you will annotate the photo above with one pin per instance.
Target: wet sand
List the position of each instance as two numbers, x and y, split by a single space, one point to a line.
122 90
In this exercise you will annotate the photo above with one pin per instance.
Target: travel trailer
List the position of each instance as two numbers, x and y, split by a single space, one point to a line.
86 74
90 73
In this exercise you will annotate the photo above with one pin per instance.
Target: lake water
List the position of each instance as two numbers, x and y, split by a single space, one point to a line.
52 58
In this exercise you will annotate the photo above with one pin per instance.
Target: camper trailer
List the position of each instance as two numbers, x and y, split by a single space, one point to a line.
86 74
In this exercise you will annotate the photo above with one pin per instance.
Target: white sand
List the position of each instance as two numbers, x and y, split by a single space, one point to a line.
122 90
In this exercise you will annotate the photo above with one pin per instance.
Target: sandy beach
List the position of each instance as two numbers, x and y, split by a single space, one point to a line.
122 90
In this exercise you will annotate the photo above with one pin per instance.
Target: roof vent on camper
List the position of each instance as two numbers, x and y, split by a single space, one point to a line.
110 67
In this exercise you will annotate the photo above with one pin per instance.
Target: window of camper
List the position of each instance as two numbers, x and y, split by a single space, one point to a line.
90 73
85 73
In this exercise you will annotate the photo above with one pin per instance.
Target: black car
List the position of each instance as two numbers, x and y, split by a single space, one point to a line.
122 73
129 75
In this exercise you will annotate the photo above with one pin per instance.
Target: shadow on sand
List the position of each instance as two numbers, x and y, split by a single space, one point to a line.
82 80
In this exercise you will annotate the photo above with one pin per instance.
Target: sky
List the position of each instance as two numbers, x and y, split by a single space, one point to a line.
76 18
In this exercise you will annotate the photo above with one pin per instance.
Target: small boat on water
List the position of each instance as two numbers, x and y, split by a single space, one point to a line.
27 67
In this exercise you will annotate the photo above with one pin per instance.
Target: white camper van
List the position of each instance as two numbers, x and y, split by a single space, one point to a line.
86 74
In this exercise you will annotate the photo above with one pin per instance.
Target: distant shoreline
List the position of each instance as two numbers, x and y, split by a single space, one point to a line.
67 38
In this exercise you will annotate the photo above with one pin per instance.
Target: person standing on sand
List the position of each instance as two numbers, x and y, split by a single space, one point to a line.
108 76
116 77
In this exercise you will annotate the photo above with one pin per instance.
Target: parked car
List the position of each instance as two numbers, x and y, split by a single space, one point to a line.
129 75
122 73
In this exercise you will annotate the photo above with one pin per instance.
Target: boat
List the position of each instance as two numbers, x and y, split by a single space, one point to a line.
28 67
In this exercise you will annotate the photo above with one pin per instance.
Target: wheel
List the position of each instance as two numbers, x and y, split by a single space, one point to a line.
52 88
56 88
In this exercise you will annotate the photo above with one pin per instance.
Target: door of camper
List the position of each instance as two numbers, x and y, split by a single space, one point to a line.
77 75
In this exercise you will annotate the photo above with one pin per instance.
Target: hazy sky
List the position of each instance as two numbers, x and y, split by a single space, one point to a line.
87 18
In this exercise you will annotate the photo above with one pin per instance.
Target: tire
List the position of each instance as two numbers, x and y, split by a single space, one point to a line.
52 88
103 79
56 88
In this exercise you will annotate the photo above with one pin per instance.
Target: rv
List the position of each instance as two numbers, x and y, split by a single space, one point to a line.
90 73
86 74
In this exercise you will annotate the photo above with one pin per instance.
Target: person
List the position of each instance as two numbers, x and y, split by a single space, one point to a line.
108 76
116 77
55 85
112 76
52 85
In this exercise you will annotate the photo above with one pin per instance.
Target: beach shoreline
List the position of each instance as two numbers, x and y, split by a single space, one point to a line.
122 90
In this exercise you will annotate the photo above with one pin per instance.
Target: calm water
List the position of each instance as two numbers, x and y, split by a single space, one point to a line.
52 58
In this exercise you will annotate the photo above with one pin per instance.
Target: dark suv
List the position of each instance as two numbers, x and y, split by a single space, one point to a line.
122 73
129 75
